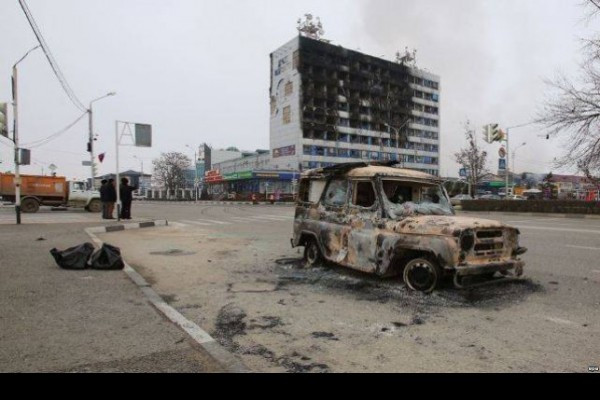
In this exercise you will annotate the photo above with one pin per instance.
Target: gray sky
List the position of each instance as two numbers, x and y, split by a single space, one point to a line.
198 70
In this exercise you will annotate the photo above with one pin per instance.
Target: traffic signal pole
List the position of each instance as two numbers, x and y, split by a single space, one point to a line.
507 163
16 141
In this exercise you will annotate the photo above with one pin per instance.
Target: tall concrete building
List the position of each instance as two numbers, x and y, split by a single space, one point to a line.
332 105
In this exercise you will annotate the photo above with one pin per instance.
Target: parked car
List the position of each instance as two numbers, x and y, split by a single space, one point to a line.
516 197
457 200
490 197
391 221
137 196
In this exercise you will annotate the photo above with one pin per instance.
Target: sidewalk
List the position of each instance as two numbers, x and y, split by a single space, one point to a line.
528 214
56 320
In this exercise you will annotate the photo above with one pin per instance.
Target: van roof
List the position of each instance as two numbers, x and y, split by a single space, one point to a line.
368 170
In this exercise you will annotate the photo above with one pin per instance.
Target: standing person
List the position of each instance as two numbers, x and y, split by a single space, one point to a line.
126 197
111 197
104 198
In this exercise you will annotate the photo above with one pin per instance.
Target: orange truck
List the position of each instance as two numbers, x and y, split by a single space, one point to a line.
37 190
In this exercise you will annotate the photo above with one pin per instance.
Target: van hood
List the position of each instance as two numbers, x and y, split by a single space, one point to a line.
440 225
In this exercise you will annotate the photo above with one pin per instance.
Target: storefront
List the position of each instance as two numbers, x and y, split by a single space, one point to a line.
246 183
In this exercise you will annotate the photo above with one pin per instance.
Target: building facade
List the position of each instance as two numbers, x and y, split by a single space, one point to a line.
332 105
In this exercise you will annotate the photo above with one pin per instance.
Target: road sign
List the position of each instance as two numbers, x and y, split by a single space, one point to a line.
86 163
462 172
502 164
502 152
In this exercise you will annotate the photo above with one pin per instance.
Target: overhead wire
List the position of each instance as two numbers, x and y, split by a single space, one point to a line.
41 142
53 64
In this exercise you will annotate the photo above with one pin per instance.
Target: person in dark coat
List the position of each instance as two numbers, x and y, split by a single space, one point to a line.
111 193
125 192
104 198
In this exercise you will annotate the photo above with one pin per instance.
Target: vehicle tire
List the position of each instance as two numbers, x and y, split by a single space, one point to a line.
95 206
312 253
422 274
30 206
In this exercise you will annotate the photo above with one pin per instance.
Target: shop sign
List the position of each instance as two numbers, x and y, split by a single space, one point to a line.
284 151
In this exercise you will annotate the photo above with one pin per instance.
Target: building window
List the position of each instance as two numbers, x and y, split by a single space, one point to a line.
296 59
289 88
287 115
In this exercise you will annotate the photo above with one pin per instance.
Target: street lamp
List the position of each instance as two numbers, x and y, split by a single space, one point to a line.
16 137
513 158
91 135
195 172
507 152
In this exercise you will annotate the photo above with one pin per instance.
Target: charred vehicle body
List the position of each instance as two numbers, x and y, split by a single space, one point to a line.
389 221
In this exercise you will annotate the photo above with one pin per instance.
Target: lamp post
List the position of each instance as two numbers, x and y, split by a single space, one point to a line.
16 137
507 152
91 136
195 172
513 159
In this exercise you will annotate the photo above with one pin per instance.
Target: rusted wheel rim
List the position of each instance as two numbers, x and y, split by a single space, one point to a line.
421 275
312 253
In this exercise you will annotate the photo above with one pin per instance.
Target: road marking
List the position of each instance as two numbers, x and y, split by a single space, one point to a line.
583 247
242 219
199 335
195 222
214 222
559 320
596 271
548 228
264 217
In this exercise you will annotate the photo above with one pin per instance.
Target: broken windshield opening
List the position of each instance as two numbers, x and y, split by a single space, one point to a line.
403 199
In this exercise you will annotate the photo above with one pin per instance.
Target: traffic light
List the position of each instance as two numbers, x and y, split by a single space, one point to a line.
4 119
496 133
493 133
89 147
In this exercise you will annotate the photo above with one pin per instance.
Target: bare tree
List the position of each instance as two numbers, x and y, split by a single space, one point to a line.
573 111
169 169
472 158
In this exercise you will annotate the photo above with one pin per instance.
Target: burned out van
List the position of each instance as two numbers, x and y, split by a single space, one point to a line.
389 221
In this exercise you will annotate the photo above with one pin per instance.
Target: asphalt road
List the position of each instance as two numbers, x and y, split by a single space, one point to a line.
230 269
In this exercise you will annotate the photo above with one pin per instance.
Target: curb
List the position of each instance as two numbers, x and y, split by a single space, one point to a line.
532 214
197 334
231 203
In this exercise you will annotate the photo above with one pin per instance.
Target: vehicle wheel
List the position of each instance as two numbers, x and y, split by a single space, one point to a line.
94 206
422 274
312 253
30 206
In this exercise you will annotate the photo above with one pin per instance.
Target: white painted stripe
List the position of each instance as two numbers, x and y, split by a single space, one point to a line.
559 320
242 219
213 221
177 224
548 228
596 271
191 328
279 216
199 335
196 222
583 247
267 218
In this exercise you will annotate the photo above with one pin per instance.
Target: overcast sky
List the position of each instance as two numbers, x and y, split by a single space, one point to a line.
198 70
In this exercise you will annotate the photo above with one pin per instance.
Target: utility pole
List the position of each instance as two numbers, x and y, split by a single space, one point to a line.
16 140
16 136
